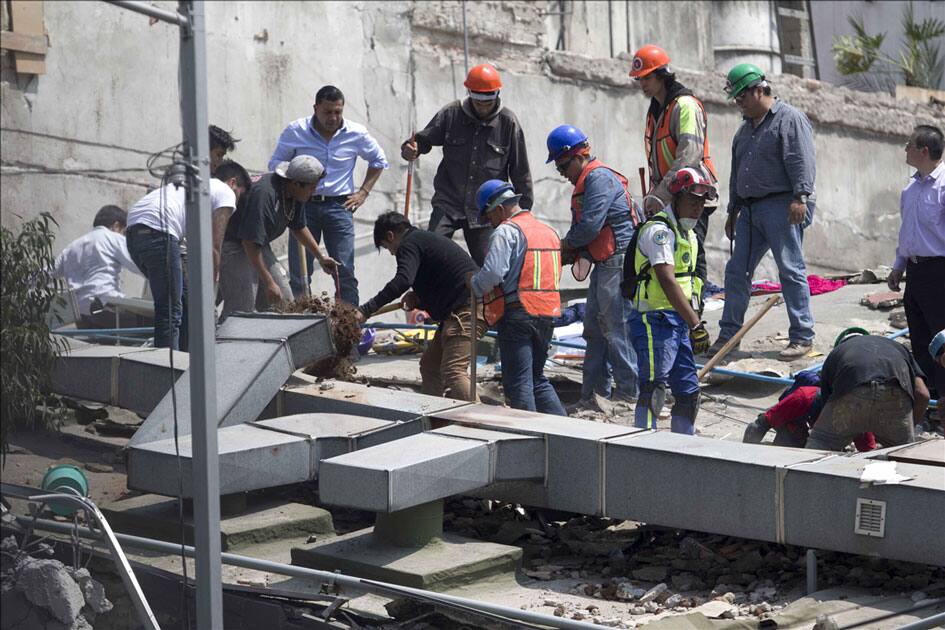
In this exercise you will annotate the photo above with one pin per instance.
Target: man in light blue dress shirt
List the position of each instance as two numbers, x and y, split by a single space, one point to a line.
337 143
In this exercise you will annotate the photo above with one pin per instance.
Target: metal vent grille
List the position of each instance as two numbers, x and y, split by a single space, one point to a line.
870 518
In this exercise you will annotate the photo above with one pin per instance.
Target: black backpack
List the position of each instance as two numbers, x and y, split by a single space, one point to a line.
631 280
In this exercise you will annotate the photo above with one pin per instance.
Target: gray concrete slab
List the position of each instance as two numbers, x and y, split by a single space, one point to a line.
913 509
155 516
697 483
444 563
360 400
250 458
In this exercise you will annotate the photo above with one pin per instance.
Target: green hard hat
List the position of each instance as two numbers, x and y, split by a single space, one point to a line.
742 77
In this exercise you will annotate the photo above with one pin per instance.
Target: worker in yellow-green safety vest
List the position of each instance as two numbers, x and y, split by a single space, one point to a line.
661 282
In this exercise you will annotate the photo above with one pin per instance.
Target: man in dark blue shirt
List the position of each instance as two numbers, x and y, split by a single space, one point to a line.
771 190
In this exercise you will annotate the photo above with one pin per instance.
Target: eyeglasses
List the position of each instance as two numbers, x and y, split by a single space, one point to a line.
702 190
563 167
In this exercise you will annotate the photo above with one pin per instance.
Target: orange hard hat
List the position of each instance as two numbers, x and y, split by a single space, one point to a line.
648 59
483 78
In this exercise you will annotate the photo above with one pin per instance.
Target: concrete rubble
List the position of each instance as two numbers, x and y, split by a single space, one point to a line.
45 593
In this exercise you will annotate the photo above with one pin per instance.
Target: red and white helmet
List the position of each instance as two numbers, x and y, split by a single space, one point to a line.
694 182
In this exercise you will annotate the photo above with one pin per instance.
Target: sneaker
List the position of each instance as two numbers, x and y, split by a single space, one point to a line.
716 347
794 350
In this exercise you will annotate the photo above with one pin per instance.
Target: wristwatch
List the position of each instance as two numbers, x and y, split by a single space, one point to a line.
801 198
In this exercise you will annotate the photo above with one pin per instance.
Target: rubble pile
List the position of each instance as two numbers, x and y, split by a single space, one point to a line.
45 593
345 333
656 571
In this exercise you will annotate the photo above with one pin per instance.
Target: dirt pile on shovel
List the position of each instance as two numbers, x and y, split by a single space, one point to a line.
345 333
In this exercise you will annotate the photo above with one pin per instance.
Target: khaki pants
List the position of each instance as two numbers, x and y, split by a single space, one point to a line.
882 408
444 365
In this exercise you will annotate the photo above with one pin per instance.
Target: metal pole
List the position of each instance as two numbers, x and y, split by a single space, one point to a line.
203 403
341 581
465 40
811 571
151 11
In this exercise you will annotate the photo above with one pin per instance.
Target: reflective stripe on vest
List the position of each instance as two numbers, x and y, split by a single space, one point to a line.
666 143
539 277
650 295
604 244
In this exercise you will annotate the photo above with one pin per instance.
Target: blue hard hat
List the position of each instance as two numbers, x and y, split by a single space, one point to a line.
562 139
938 342
492 193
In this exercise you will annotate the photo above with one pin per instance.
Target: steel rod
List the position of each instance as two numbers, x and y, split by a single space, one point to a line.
201 312
151 11
357 585
96 332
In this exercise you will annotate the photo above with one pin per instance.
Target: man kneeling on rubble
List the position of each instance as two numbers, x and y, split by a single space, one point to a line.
870 386
435 268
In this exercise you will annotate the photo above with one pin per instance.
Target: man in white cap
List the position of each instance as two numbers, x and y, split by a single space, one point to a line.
275 202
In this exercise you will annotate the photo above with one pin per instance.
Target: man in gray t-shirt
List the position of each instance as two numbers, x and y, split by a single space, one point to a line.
275 203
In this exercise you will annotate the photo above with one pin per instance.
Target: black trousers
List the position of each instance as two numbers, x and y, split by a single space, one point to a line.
477 238
925 313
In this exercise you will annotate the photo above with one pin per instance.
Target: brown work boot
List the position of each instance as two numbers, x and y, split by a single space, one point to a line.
794 350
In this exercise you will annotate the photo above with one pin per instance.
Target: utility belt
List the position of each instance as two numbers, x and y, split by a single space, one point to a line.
139 228
331 198
918 260
750 201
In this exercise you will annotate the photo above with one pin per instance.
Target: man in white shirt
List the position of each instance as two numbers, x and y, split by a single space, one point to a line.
156 225
91 266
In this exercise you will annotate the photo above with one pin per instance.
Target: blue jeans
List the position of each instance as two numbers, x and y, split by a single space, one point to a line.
761 227
664 356
605 331
523 346
331 219
157 255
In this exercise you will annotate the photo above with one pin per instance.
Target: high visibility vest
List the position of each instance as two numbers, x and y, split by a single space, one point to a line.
649 294
666 143
604 244
539 276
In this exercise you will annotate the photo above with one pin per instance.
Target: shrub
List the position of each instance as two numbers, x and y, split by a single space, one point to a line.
27 350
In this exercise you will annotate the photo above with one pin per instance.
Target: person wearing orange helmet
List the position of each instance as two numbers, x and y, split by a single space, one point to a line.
675 137
481 140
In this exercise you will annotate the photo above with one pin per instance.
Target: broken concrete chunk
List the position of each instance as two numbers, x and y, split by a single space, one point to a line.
883 301
46 583
651 574
653 593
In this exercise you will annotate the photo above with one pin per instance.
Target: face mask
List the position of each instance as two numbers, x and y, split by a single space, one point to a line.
687 224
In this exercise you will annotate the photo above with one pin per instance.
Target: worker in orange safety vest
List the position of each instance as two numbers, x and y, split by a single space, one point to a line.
519 286
675 138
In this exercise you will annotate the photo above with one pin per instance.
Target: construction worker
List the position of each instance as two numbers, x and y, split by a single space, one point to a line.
676 136
602 222
665 327
771 188
431 275
519 286
481 140
873 384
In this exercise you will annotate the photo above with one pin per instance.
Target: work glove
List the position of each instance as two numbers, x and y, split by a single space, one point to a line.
699 337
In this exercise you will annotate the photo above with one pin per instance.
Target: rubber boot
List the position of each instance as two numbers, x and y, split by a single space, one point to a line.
756 431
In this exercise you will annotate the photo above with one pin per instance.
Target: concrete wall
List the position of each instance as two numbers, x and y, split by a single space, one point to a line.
830 21
110 98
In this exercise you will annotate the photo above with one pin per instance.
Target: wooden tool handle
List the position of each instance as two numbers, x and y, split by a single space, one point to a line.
474 321
731 343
